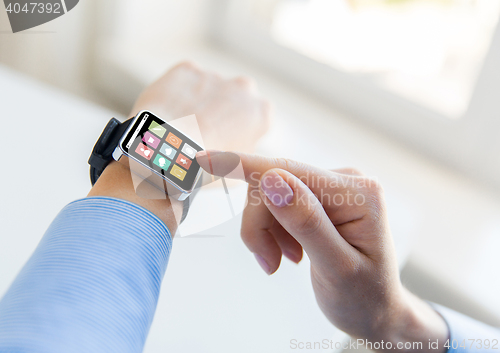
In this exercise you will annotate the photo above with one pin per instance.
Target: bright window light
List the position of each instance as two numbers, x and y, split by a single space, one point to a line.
429 51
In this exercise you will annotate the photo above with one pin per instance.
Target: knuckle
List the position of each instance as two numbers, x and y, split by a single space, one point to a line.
374 199
245 82
354 171
287 164
188 65
311 223
267 109
353 270
372 187
246 234
215 76
248 238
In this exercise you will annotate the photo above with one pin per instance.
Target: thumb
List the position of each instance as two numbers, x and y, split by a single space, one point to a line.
301 214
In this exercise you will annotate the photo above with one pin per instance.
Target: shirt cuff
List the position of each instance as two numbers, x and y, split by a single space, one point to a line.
92 284
467 334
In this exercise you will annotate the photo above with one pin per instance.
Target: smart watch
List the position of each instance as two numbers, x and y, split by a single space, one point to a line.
158 152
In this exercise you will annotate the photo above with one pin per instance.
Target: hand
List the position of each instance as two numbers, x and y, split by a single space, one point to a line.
224 108
339 218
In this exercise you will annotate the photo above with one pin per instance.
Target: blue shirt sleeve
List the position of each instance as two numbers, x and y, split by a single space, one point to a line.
468 335
91 285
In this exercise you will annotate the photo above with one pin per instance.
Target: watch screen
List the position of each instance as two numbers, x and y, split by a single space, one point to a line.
164 149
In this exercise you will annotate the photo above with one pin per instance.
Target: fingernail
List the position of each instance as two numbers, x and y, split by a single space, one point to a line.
208 153
276 189
263 264
201 154
211 153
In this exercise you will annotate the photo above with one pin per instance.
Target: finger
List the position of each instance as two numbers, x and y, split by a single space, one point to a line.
300 213
347 171
266 114
218 163
221 163
255 232
244 82
351 202
336 191
259 229
186 65
289 246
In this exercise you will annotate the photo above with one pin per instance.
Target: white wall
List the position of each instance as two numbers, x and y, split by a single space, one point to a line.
56 52
62 51
165 23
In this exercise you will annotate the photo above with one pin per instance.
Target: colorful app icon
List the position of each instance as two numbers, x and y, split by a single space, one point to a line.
178 172
157 129
143 151
174 140
189 151
162 162
168 151
151 139
183 161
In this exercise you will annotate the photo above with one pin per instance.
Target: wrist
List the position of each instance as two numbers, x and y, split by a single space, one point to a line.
116 181
412 325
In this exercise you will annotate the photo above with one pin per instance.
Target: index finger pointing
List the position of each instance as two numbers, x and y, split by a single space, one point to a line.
225 164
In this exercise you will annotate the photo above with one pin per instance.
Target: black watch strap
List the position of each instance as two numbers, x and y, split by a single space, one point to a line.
102 154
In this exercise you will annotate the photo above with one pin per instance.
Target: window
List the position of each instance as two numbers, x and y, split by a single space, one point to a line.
422 70
427 51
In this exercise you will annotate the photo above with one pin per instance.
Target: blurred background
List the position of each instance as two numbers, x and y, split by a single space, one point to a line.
405 90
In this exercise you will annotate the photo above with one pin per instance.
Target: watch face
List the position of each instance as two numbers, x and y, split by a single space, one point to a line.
164 149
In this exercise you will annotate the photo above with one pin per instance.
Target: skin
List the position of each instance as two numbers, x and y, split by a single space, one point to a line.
221 106
354 270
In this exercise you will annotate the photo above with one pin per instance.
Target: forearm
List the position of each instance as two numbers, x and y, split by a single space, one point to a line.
92 284
116 181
